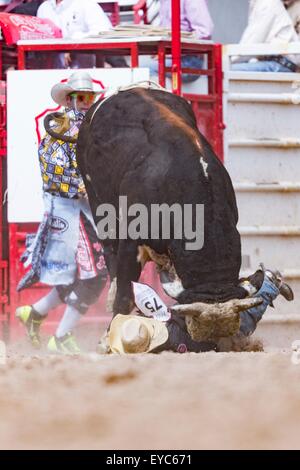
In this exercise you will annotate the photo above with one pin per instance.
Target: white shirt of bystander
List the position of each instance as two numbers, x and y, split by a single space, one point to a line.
76 18
269 22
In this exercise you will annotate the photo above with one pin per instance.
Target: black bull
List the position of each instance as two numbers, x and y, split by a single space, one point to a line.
145 144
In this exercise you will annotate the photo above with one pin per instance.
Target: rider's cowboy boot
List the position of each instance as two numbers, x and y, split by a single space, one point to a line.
276 277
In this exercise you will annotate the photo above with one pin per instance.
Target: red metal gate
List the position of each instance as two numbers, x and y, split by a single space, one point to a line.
4 254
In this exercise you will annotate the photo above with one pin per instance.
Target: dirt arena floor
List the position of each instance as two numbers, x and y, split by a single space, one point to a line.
248 400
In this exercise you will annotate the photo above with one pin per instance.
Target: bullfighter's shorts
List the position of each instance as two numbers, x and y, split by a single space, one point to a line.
82 293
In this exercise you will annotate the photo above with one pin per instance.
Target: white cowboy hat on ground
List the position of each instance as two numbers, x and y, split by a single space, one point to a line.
130 334
78 82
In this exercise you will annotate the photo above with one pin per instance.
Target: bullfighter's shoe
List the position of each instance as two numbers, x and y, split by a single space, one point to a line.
32 322
65 345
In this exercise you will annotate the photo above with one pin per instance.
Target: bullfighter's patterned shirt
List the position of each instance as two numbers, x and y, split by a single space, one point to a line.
58 163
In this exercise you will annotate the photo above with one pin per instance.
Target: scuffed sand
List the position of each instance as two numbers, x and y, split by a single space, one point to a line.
167 401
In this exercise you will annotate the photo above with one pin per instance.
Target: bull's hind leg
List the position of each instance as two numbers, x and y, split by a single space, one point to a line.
111 258
128 270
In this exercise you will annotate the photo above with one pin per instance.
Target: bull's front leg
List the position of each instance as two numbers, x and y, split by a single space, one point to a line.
128 270
111 259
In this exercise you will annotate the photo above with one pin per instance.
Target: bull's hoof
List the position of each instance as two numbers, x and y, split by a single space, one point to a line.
103 346
111 295
240 343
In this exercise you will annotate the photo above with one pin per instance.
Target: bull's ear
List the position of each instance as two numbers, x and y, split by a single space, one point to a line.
231 306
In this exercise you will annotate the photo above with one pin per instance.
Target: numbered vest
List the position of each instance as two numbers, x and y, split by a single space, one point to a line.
149 302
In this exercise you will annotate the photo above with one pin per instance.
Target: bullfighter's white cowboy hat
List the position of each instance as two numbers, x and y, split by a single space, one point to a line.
78 82
130 334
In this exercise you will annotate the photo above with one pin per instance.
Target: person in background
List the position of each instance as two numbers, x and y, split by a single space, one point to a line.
23 7
77 19
194 17
293 9
9 53
269 22
65 253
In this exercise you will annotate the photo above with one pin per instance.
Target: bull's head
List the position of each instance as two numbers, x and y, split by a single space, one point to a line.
204 321
214 321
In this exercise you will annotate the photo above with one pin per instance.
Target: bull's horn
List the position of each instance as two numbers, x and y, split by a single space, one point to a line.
231 306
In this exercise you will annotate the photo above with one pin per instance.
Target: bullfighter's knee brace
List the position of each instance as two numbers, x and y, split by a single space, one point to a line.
249 319
82 293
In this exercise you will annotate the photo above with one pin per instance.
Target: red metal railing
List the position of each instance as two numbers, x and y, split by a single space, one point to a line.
176 48
112 10
4 275
140 12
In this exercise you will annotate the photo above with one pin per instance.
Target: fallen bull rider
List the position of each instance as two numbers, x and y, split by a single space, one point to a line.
203 331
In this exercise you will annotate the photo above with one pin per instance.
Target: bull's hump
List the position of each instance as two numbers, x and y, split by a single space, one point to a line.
168 115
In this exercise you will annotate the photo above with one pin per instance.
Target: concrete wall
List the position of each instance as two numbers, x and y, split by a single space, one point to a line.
230 19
